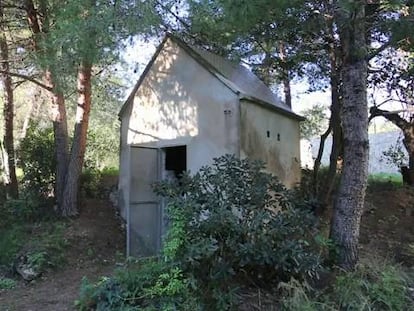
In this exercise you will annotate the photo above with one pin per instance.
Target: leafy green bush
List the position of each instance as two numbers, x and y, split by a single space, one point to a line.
36 157
232 222
91 183
149 285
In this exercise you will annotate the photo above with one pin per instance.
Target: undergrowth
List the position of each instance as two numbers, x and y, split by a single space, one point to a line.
374 285
30 232
231 224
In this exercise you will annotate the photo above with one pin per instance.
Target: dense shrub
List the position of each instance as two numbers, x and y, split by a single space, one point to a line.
233 222
37 159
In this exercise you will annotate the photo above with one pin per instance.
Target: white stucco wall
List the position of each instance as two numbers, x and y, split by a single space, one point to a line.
282 155
180 103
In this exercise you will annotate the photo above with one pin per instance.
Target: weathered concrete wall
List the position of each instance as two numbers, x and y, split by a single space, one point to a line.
180 103
272 138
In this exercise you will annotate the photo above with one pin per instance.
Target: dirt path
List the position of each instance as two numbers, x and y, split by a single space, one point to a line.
96 242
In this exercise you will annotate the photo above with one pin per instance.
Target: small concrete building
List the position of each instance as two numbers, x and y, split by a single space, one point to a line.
188 107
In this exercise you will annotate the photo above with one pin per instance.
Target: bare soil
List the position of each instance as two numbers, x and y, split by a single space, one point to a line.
387 225
96 242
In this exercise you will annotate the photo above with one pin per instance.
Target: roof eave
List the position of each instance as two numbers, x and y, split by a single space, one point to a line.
273 107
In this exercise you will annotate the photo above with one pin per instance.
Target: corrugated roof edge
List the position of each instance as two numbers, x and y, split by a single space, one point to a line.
200 59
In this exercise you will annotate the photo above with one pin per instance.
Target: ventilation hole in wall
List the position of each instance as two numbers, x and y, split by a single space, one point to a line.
268 133
278 137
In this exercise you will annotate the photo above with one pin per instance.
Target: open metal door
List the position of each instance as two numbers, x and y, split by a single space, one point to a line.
144 212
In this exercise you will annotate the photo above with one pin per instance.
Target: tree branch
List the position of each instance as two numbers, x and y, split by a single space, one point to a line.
389 115
28 78
379 50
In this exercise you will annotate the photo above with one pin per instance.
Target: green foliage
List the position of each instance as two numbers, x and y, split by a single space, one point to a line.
142 285
91 182
29 227
315 123
11 240
372 286
395 155
231 222
383 287
94 182
6 283
103 144
382 181
37 159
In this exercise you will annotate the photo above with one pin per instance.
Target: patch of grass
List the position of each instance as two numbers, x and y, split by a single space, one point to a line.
374 285
6 283
110 171
381 181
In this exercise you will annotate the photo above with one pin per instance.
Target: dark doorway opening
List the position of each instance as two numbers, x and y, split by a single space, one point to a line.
176 160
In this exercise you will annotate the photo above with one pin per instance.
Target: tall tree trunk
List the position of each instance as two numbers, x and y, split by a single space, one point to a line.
61 138
349 203
69 206
9 162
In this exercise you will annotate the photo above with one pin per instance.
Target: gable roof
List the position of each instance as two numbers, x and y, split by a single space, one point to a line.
235 76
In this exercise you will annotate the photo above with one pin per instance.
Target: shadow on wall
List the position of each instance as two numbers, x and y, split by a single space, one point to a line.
163 107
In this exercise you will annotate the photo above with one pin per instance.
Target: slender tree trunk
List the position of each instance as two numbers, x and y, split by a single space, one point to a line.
349 203
286 76
69 206
318 159
408 142
9 164
335 121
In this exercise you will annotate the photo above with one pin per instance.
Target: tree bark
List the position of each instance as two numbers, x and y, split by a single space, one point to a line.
9 162
61 138
335 121
58 109
349 203
318 159
70 197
